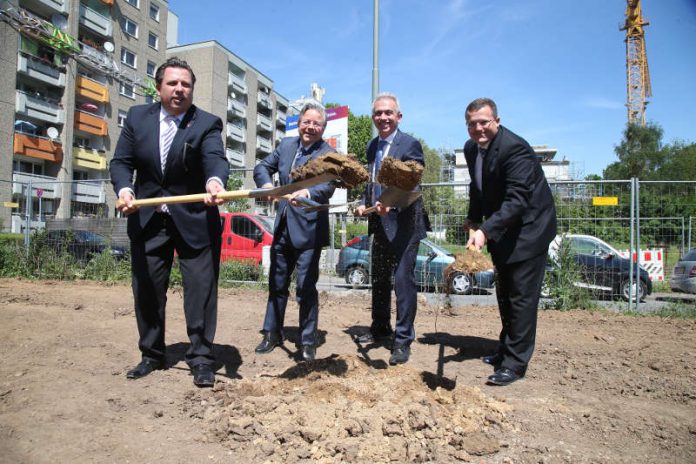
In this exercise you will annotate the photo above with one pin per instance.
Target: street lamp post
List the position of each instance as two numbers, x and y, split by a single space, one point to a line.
375 57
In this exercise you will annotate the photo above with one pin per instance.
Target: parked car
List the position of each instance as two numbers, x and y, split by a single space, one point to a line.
684 275
83 245
602 268
244 235
354 265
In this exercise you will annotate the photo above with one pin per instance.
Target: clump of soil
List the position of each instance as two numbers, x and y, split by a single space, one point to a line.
468 261
349 170
339 409
400 174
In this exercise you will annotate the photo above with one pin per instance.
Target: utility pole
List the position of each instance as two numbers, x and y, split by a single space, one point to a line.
375 58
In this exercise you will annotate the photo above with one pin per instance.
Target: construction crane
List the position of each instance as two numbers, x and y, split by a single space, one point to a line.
638 77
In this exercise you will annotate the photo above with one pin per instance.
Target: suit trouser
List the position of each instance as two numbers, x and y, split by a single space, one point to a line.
518 286
385 263
284 259
152 256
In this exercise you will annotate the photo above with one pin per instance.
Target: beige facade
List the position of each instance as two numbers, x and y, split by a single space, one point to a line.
253 113
69 72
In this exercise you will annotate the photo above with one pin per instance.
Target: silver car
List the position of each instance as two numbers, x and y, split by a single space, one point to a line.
684 276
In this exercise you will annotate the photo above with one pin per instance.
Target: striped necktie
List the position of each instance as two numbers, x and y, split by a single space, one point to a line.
166 139
376 186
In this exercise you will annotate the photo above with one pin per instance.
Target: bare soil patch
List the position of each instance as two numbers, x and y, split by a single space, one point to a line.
602 387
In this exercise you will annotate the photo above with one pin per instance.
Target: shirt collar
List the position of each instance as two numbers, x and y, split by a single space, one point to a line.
163 115
389 138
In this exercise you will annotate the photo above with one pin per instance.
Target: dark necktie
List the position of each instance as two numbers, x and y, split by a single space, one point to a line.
299 157
379 155
478 171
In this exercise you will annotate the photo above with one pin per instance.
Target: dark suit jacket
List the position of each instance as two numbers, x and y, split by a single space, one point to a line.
307 229
196 155
401 226
516 202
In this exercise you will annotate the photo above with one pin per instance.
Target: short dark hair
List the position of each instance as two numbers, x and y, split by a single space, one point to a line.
173 62
480 103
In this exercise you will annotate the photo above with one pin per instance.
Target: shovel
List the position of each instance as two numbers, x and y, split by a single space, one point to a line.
395 197
236 194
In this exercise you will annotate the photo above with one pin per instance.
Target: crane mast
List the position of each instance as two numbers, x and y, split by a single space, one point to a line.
638 77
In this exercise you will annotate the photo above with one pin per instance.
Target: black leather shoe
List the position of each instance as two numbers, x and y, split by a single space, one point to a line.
504 376
492 359
380 335
203 375
400 355
269 342
309 352
145 367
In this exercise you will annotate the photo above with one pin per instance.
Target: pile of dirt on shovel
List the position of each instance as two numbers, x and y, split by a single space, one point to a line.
349 170
468 262
341 409
401 174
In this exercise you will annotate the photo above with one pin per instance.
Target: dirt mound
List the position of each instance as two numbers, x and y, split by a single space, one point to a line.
468 261
401 174
350 172
340 409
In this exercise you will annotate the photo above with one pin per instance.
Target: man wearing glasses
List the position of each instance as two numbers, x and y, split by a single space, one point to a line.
396 233
298 236
512 211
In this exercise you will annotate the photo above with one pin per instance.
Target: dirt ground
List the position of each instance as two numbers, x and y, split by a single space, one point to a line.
602 387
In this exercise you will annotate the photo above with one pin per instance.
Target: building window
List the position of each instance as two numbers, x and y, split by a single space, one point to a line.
135 3
154 12
151 68
129 27
152 40
127 90
122 118
128 57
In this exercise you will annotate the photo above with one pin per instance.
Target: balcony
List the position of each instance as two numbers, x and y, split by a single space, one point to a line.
281 118
236 83
264 122
41 70
90 123
108 2
88 158
38 147
263 144
38 107
88 192
96 22
91 89
46 7
235 108
236 158
236 133
264 100
41 186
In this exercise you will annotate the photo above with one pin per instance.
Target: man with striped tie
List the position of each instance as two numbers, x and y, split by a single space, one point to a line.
173 148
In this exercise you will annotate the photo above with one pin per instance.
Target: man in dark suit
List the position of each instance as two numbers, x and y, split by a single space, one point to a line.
396 233
173 148
512 209
299 235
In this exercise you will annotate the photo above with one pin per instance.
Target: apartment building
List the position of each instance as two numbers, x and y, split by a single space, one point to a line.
243 97
69 72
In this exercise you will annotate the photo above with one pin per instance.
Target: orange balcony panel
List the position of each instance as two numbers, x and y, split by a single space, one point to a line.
90 123
38 147
92 89
108 2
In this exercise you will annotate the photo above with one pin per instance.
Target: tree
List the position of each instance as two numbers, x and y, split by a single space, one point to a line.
359 134
640 154
235 182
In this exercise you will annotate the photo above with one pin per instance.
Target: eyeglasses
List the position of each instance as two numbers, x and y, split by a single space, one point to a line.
307 123
484 124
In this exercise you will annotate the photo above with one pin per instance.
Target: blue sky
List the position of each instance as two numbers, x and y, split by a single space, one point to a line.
556 68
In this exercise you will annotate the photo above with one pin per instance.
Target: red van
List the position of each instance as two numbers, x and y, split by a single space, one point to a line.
244 235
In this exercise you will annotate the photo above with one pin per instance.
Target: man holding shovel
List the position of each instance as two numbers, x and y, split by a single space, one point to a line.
396 232
174 148
512 202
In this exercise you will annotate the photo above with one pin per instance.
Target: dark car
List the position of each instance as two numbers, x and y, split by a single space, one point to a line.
83 245
601 267
684 276
354 265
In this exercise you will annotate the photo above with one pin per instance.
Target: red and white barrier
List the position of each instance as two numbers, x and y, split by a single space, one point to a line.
652 261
